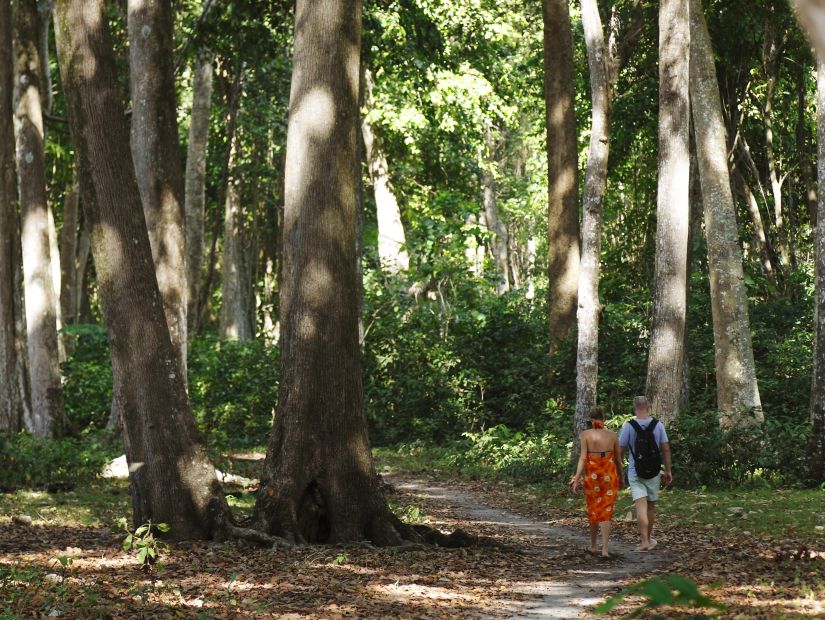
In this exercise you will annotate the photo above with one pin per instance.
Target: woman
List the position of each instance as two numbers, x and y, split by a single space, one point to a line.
600 460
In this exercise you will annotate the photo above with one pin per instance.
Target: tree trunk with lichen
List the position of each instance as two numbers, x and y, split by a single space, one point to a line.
172 478
47 413
665 359
318 482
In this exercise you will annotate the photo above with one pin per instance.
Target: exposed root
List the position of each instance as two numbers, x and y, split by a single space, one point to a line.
257 537
457 539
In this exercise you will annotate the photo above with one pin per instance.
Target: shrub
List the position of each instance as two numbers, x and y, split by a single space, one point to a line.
26 461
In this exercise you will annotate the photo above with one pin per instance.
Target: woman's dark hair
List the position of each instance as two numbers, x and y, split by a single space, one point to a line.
597 413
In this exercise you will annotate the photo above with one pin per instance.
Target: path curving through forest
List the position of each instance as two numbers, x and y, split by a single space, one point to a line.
571 593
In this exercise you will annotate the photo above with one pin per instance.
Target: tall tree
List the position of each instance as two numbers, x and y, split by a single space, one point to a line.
605 59
237 319
195 196
11 402
68 252
47 414
318 482
737 391
499 241
816 446
156 153
562 170
392 252
172 479
665 359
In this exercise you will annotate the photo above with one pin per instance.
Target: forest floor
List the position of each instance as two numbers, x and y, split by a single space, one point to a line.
61 555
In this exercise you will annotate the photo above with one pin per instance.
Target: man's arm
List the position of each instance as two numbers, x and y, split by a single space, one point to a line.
668 476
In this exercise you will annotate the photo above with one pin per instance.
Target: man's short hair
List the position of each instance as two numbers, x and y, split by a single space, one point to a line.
640 402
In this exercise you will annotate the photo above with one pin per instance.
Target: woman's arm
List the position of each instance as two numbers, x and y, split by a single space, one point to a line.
582 458
617 456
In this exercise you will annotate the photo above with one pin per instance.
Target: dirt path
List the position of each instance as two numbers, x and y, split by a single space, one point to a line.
571 592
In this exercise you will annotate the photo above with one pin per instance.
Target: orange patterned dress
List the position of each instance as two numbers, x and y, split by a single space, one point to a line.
601 486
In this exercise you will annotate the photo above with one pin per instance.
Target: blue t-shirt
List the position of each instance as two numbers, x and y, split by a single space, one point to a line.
627 438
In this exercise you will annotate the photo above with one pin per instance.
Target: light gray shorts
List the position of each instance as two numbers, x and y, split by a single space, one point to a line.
641 487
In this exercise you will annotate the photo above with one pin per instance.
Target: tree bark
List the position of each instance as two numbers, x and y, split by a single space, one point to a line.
68 253
816 445
392 252
172 479
47 415
562 170
737 391
500 240
760 238
196 180
156 153
237 300
665 360
803 150
11 401
595 182
318 482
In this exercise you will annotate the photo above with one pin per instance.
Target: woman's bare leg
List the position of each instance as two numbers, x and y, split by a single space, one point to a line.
594 532
605 527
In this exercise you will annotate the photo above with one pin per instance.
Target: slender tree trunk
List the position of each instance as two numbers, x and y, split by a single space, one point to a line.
318 481
595 182
500 239
54 255
196 180
392 252
562 170
236 289
11 401
156 153
803 150
172 479
737 391
816 446
233 103
665 360
81 294
68 253
48 417
760 238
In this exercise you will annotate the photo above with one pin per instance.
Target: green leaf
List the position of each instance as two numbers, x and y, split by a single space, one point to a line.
142 556
163 527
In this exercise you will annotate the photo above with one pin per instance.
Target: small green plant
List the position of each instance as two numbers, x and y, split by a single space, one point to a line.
144 541
341 558
672 590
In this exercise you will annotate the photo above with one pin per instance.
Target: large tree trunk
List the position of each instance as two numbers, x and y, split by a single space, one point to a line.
318 481
196 180
816 446
499 242
665 360
595 182
803 142
172 479
737 391
156 153
237 299
392 252
11 401
48 417
562 170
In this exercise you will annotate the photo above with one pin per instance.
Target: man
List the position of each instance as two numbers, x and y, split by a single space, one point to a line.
645 491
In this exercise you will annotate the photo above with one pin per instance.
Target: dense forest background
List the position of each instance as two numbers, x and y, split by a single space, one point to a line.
454 232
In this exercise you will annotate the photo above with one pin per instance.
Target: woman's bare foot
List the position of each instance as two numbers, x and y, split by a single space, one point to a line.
643 548
605 554
653 543
593 550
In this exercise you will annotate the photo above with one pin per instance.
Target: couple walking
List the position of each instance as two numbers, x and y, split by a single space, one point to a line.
600 471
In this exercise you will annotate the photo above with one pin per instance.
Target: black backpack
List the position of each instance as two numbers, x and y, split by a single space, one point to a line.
645 451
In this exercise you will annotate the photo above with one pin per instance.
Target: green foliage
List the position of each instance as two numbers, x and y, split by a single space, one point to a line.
27 461
87 389
144 541
670 590
233 387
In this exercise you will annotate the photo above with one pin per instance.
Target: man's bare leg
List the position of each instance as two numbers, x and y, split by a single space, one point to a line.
605 527
642 521
594 532
651 519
